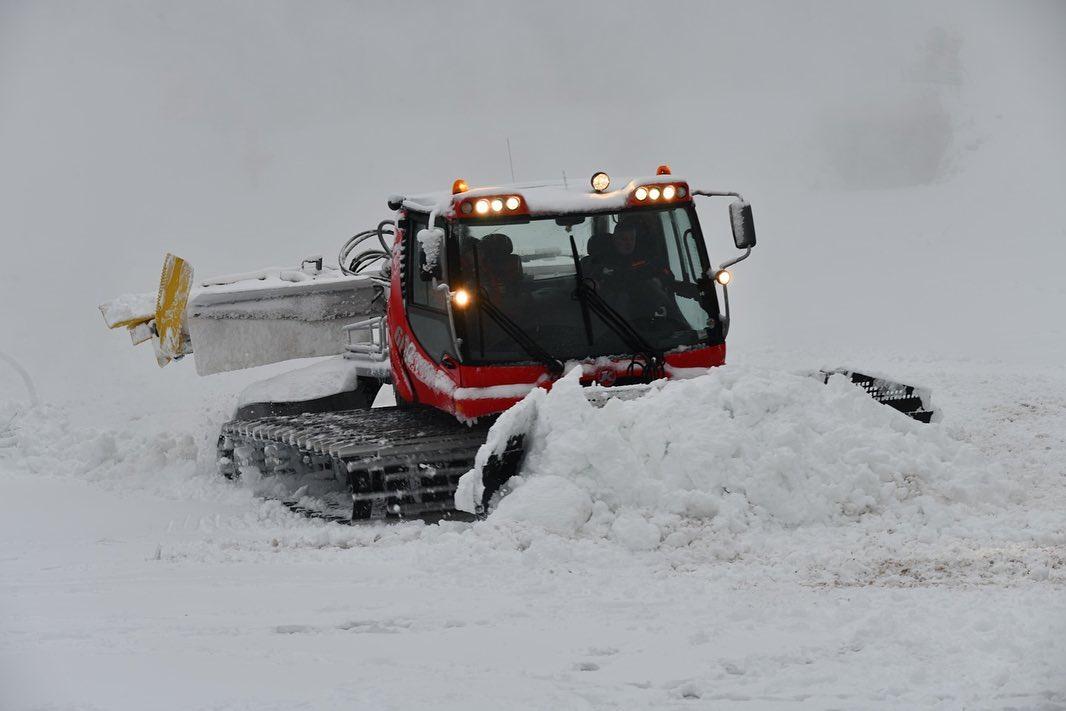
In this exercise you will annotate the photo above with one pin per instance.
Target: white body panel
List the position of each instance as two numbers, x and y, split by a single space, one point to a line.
244 326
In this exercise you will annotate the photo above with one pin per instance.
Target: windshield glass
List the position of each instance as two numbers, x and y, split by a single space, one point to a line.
645 265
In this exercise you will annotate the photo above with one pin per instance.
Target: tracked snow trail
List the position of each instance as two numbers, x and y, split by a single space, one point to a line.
152 584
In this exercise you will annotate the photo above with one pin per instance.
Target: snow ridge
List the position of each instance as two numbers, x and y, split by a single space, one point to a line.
737 449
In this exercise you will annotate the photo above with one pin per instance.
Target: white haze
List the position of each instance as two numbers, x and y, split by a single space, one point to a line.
906 161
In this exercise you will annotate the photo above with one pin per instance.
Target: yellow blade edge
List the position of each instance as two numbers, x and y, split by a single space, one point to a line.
174 285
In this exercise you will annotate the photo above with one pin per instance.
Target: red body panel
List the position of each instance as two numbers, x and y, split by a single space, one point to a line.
476 397
469 392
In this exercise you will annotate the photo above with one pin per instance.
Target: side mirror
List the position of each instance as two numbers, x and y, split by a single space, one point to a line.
743 224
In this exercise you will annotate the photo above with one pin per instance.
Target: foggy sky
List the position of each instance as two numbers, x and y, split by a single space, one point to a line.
246 134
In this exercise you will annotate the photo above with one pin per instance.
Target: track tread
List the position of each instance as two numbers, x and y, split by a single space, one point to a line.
396 462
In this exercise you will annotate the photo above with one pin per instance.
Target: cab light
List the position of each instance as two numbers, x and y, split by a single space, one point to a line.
600 181
492 205
459 186
656 192
663 169
723 276
461 297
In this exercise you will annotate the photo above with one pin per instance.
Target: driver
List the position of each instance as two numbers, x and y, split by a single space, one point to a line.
639 280
628 262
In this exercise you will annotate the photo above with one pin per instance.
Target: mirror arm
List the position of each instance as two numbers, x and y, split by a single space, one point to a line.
709 193
738 196
725 265
741 258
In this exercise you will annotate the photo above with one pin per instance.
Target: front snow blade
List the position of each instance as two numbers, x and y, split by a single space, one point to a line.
912 401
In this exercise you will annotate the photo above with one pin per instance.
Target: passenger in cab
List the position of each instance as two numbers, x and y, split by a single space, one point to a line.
500 270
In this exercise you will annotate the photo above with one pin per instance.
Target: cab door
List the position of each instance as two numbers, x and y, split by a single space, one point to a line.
421 329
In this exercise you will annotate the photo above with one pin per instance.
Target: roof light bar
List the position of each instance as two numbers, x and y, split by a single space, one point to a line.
659 193
492 205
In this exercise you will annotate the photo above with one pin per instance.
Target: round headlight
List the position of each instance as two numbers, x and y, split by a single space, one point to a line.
653 193
497 204
600 181
482 206
513 203
681 192
467 208
668 192
723 277
641 193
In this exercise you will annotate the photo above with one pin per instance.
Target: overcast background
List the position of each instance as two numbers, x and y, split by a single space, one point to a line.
906 161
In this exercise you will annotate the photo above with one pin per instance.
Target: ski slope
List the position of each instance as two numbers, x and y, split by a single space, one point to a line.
134 578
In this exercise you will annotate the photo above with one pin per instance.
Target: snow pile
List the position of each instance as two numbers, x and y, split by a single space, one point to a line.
44 441
736 449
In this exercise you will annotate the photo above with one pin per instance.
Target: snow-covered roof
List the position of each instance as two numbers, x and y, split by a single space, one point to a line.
544 198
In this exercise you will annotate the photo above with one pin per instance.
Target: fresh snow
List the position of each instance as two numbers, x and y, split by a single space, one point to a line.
269 281
127 308
430 239
745 449
152 583
329 376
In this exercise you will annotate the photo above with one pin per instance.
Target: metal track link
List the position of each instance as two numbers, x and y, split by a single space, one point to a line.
911 401
390 462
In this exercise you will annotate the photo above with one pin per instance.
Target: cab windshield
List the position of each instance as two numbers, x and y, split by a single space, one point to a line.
645 265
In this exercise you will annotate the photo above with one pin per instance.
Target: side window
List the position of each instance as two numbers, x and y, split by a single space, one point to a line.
681 245
674 248
423 291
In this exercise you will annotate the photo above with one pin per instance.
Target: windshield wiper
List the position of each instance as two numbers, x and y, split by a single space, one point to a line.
633 339
508 325
517 333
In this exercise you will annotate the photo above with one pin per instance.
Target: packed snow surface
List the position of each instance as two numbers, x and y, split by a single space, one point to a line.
744 539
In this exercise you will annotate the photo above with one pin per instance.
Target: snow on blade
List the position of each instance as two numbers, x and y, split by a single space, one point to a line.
128 308
738 448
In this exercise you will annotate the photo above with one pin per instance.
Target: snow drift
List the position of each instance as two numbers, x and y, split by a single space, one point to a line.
737 448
